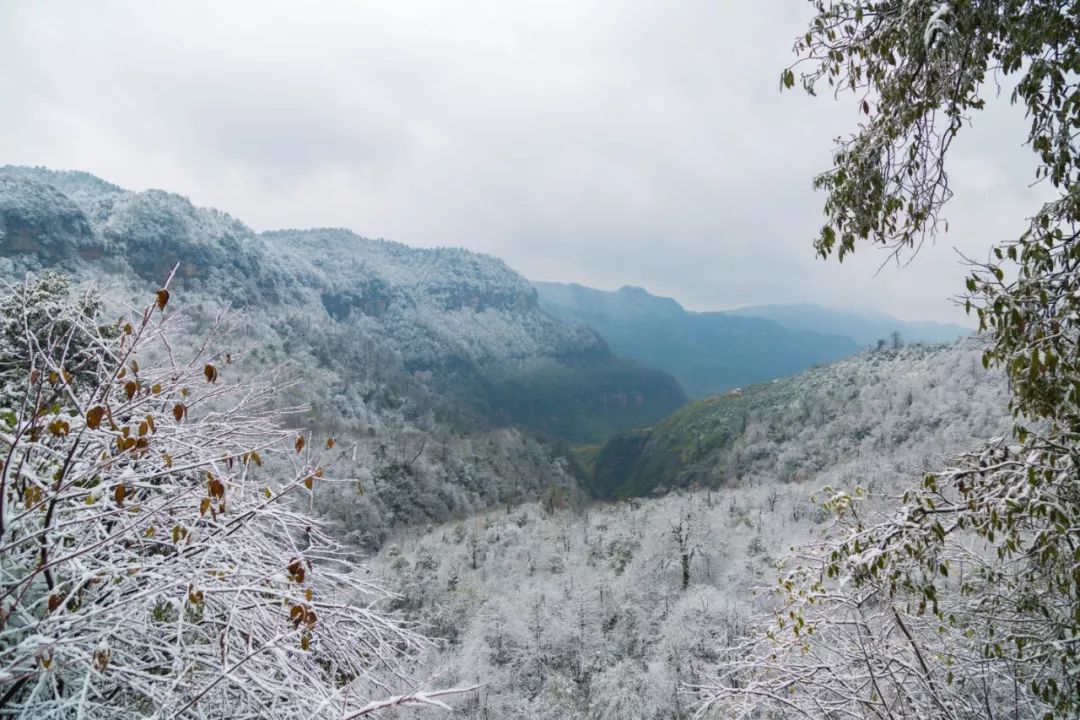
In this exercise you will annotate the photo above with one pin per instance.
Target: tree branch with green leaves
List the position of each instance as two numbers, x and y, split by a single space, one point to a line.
960 599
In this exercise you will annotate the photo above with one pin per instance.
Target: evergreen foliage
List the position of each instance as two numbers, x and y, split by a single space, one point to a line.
961 601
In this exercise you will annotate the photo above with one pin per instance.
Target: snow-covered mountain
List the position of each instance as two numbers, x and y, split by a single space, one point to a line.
443 321
427 361
425 357
555 605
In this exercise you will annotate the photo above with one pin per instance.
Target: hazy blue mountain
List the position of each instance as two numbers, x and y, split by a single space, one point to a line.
365 317
708 352
866 328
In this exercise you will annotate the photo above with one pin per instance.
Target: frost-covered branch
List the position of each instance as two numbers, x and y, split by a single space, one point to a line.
153 560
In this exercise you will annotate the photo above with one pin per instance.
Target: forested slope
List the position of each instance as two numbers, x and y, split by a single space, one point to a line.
615 611
446 320
402 350
925 398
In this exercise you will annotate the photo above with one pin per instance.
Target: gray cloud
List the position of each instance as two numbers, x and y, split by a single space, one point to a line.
599 141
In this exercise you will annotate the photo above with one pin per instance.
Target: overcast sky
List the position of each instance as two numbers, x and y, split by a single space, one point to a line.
606 142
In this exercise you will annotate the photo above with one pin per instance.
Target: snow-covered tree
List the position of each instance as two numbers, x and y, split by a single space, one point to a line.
964 600
155 557
939 608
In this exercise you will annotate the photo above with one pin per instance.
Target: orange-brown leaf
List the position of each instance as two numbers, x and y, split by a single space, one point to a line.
94 416
296 570
211 373
179 411
299 443
131 387
162 298
119 494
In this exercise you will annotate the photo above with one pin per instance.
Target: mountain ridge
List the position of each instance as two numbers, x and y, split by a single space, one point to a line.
865 327
708 352
460 322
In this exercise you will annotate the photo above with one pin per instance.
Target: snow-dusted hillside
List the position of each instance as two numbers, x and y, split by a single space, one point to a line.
437 305
424 358
590 611
444 322
419 360
921 400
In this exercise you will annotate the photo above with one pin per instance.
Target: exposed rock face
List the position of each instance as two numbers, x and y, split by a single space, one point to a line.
157 230
38 220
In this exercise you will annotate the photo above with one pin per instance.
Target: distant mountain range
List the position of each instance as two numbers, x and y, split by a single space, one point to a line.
712 352
865 328
708 352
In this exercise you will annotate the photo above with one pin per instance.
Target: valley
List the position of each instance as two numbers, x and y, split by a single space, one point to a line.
615 610
525 472
540 361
